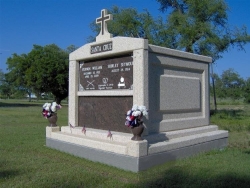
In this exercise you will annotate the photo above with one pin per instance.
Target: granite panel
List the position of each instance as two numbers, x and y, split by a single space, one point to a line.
179 93
178 90
106 113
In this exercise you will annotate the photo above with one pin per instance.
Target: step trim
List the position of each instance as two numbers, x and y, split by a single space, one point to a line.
186 141
106 145
179 133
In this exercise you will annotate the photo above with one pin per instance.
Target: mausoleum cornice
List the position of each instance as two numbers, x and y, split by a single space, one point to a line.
119 45
179 54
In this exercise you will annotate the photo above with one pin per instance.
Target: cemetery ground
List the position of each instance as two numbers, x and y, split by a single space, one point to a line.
25 161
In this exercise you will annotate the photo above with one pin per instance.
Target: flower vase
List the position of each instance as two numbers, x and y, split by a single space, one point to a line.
52 120
137 131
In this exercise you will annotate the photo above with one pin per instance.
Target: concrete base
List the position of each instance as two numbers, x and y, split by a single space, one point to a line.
119 151
134 164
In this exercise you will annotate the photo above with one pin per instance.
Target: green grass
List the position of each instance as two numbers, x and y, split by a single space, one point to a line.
233 118
25 161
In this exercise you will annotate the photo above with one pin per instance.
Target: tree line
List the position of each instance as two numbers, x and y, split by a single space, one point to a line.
231 85
43 70
194 26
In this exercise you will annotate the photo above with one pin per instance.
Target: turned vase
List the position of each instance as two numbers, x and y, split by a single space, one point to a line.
137 131
52 120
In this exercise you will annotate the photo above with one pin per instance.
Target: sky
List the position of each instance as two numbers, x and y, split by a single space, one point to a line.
24 23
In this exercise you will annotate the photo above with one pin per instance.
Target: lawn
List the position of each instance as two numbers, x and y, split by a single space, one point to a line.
25 161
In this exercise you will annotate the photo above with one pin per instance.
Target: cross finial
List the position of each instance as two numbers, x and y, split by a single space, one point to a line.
104 34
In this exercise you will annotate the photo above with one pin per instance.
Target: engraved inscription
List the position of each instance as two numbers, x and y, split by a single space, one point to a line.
113 73
101 48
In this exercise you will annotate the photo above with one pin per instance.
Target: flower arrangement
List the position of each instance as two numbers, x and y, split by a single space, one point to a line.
50 108
134 116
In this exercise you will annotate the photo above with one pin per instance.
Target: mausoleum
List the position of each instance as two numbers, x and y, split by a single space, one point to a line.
107 77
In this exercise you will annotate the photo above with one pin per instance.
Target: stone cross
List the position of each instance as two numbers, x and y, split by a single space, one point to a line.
104 34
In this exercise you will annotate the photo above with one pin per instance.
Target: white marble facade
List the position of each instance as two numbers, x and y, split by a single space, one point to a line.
174 85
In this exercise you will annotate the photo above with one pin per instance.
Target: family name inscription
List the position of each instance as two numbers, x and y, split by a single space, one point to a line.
101 48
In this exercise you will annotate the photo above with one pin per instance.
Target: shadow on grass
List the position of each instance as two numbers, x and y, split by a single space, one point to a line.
226 113
247 152
180 178
7 104
5 174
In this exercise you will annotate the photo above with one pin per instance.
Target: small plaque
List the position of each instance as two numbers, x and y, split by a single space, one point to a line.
101 48
107 74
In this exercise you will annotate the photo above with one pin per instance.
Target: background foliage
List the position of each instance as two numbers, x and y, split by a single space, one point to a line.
43 70
194 26
230 85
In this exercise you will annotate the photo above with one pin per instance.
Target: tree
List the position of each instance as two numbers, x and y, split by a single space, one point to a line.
48 71
5 87
219 86
1 77
43 69
230 84
233 84
194 26
200 27
6 90
128 22
247 91
71 48
17 77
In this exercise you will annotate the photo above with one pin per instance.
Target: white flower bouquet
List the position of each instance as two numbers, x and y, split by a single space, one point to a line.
134 116
50 108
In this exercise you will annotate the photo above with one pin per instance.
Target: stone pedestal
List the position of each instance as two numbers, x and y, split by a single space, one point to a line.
50 129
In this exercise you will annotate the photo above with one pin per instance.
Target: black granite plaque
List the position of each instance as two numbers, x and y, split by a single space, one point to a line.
106 113
107 74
